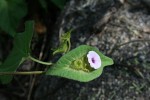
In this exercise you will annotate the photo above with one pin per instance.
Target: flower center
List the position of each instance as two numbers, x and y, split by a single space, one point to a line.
93 60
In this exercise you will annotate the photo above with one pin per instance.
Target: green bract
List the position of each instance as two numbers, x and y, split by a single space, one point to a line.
19 53
74 65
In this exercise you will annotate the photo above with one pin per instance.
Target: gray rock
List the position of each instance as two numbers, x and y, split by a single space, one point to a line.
119 33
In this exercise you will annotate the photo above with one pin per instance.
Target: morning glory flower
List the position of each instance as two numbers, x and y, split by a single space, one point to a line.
94 59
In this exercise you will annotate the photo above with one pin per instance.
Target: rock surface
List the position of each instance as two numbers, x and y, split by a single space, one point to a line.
120 30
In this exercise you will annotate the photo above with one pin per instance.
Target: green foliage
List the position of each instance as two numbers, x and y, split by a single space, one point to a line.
59 3
43 4
11 12
73 65
19 53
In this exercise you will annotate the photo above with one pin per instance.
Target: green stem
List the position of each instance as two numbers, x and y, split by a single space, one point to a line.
41 62
22 73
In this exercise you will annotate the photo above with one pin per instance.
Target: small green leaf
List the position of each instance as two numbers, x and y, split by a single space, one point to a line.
74 65
11 12
19 53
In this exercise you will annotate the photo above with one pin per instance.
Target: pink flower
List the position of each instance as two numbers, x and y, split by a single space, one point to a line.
94 59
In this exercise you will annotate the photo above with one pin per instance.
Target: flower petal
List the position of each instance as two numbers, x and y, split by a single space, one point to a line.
94 59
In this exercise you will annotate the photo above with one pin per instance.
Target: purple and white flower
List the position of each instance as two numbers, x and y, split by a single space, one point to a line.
94 59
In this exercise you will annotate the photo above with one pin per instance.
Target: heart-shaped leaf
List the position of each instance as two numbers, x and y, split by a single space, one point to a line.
74 65
19 53
11 12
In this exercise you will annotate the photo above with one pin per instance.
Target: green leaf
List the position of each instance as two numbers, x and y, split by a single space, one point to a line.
59 3
43 4
11 12
19 53
74 65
